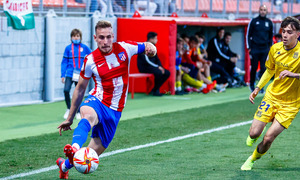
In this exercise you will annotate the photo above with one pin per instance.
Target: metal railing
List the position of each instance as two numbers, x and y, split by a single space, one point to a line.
229 9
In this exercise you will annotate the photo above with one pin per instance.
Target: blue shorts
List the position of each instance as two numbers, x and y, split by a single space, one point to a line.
108 120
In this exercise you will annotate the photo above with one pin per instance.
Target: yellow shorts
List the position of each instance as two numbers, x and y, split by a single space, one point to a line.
269 109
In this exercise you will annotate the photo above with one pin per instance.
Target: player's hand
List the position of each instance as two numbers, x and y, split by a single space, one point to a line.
181 52
253 95
233 59
63 80
209 62
199 64
161 69
65 126
286 73
150 49
185 69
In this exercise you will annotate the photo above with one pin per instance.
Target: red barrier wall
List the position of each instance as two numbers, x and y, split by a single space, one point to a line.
247 61
136 29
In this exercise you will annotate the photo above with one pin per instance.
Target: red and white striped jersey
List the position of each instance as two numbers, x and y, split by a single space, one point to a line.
110 73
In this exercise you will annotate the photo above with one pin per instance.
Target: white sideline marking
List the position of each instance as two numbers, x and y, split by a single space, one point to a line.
180 98
135 148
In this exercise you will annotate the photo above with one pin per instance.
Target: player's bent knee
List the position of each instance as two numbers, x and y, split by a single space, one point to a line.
268 139
89 114
254 133
91 118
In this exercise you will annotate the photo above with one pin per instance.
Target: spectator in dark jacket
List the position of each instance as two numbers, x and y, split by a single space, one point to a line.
153 65
259 40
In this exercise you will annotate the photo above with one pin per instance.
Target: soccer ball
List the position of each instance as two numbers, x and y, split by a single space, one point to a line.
86 160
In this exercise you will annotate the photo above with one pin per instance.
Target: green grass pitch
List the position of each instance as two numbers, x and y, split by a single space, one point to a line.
215 155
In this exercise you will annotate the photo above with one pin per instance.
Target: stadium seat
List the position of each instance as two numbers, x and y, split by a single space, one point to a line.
139 82
255 6
244 6
296 8
204 5
56 3
217 5
189 5
231 6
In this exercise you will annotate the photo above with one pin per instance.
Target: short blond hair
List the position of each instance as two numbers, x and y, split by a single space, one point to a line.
103 24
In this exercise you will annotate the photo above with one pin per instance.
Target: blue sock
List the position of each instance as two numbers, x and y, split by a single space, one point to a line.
67 164
81 132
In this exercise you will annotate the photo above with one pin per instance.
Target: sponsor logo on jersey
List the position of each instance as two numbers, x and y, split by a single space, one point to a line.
99 65
280 64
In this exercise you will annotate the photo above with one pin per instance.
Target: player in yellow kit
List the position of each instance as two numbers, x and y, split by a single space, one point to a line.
281 102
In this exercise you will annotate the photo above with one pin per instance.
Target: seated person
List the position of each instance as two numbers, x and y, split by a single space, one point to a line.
153 65
189 70
197 56
229 63
277 38
179 53
201 39
186 38
202 64
214 55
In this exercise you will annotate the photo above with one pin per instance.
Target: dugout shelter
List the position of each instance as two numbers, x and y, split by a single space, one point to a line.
136 29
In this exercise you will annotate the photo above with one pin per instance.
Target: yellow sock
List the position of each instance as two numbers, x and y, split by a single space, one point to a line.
191 81
209 78
256 155
178 84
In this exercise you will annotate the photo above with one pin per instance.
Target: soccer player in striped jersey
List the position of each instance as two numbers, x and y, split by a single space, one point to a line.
281 102
101 111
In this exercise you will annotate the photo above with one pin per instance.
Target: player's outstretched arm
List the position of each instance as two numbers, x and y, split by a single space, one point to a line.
253 95
287 73
150 49
76 100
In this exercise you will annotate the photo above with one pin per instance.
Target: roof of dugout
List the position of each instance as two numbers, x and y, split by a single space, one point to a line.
202 21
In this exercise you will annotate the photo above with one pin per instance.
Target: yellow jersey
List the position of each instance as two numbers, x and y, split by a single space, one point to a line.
287 90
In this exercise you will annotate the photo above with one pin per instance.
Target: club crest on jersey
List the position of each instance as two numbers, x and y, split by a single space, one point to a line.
267 24
122 56
296 55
